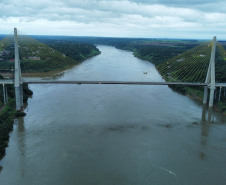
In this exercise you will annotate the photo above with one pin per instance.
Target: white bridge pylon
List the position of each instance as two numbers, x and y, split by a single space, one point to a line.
210 77
17 77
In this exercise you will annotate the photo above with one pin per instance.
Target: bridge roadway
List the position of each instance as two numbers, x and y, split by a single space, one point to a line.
10 81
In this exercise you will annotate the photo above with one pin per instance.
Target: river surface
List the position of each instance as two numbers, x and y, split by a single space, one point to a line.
115 134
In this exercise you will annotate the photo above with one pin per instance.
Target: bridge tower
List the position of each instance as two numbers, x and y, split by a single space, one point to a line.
210 77
17 77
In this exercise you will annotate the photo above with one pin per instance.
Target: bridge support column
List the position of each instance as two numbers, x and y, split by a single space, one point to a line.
18 101
211 97
205 96
4 94
209 114
219 98
21 95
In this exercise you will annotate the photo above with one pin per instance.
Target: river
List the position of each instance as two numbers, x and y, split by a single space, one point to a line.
114 134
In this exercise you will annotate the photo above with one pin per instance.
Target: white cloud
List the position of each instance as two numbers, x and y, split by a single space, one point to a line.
118 18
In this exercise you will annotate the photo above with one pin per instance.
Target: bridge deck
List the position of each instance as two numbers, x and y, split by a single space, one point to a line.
113 82
6 81
110 82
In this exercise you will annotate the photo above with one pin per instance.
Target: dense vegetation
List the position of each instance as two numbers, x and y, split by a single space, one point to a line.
7 114
48 54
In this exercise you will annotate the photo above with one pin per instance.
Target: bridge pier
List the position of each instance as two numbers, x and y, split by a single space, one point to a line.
219 98
21 95
205 96
211 98
18 95
5 94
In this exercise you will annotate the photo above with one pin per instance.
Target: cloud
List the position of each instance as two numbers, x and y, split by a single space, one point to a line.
119 18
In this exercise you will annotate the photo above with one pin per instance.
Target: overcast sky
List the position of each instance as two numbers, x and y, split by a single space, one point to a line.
196 19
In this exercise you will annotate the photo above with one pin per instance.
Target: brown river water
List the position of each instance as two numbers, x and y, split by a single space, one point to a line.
115 134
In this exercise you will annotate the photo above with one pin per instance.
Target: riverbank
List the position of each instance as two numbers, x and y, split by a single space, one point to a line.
8 114
158 54
196 93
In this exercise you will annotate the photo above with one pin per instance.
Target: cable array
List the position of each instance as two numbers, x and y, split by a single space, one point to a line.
38 59
190 66
6 54
220 64
6 42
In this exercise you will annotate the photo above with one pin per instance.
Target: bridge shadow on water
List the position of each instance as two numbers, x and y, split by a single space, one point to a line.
209 118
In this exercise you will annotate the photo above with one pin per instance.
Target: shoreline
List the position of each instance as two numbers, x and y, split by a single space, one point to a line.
190 94
9 113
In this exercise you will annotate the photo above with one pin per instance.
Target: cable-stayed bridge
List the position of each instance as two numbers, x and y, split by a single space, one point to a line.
37 63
